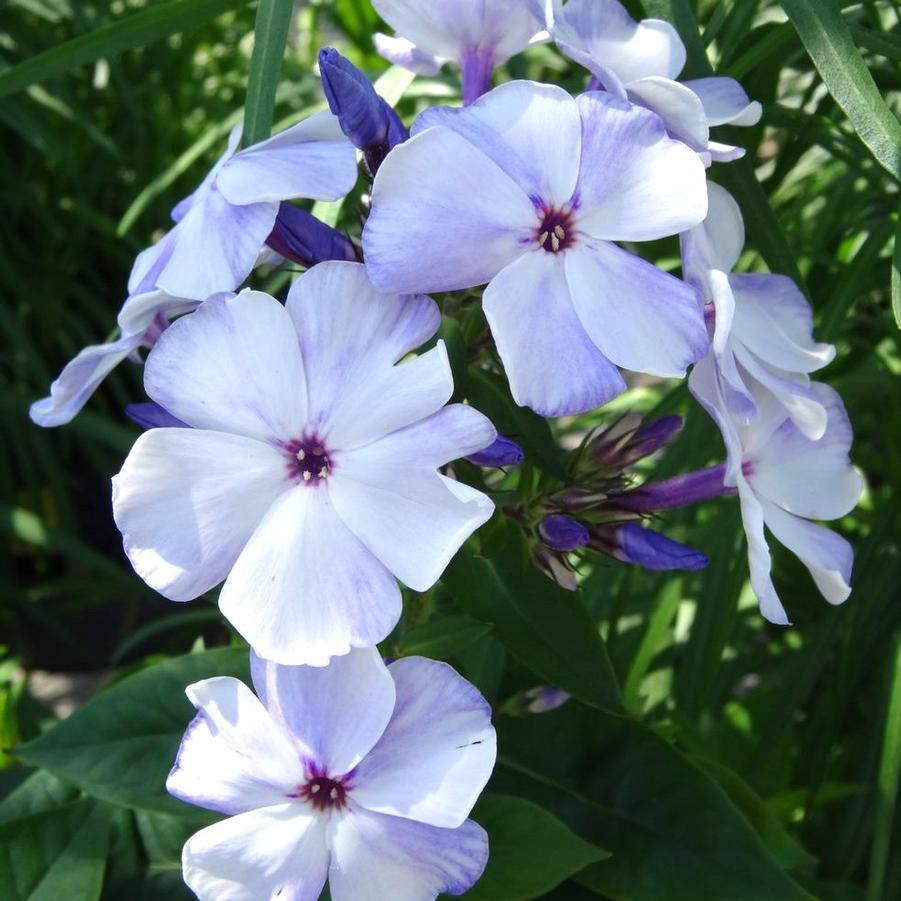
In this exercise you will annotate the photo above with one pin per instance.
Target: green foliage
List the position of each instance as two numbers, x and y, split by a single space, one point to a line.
709 754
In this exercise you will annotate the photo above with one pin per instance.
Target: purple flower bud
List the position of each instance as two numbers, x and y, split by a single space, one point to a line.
652 436
651 550
367 121
680 491
545 698
562 533
502 452
152 416
301 237
627 440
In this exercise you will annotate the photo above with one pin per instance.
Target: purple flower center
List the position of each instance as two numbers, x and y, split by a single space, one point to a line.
324 793
309 461
557 230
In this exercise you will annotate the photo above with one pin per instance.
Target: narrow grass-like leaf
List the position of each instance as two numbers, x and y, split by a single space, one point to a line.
145 27
896 275
269 37
823 31
887 788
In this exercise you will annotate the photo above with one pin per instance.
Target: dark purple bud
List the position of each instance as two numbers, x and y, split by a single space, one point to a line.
628 440
476 67
301 237
651 550
562 533
152 416
652 436
680 491
367 121
501 452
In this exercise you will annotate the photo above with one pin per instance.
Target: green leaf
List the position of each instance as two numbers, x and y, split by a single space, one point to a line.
121 745
444 637
145 27
270 33
674 834
489 394
546 627
57 854
823 32
38 792
532 852
896 275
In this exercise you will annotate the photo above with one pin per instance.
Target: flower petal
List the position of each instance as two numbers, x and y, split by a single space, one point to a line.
211 249
631 49
773 320
183 205
390 496
377 857
639 317
532 131
311 159
725 101
405 53
233 365
813 479
680 109
305 589
351 337
478 216
659 187
273 852
551 363
438 750
233 756
334 713
80 378
827 556
717 242
760 562
187 501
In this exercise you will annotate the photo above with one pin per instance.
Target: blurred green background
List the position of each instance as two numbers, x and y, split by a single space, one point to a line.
91 162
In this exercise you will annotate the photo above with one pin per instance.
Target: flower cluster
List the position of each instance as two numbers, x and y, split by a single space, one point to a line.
299 452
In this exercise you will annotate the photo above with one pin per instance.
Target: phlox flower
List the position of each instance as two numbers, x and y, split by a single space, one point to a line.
222 227
356 772
762 323
641 61
307 478
477 34
141 321
784 479
527 189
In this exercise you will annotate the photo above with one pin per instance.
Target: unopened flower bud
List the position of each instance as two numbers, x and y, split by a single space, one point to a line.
680 491
501 452
544 698
301 237
562 533
651 550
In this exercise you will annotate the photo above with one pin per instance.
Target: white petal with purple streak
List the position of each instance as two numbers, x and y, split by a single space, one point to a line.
725 101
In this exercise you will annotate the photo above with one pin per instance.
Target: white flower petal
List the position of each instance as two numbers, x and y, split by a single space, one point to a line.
639 317
826 555
183 205
274 852
724 153
759 559
311 159
351 337
478 217
551 363
233 365
335 713
437 752
717 242
233 756
680 109
187 501
305 589
377 857
725 101
773 320
390 496
635 182
813 479
532 131
406 54
79 379
211 249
